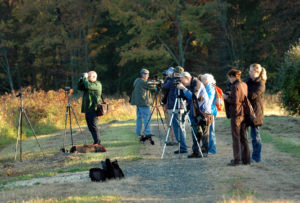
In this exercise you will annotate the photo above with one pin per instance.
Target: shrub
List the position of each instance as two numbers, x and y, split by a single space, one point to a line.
289 80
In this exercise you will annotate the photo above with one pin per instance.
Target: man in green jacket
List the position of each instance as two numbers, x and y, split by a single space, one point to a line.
92 90
140 98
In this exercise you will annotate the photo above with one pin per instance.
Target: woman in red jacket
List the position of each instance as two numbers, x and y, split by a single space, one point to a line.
235 100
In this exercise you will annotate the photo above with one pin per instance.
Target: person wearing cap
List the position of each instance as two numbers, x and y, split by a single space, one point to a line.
140 97
164 100
195 93
178 121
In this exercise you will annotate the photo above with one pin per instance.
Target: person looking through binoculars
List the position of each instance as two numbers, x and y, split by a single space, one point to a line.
140 97
92 90
178 121
199 111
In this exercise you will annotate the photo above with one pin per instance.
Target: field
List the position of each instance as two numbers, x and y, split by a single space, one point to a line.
63 177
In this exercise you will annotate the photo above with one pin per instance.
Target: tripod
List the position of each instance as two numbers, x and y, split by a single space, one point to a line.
178 103
22 113
70 109
155 107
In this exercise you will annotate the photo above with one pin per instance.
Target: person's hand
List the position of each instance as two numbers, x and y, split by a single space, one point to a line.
85 75
225 96
180 86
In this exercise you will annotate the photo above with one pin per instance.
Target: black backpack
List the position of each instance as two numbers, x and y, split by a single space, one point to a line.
109 170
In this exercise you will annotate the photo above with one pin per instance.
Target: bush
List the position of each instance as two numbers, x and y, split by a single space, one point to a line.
289 80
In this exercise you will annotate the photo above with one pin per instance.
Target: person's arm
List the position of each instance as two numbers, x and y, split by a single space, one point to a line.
260 91
91 85
80 85
233 97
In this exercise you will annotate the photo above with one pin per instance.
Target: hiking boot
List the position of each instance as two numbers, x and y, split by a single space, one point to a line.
233 163
172 143
194 155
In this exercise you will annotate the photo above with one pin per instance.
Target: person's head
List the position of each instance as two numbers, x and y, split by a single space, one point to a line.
92 76
170 72
207 79
185 78
144 74
257 71
178 70
234 75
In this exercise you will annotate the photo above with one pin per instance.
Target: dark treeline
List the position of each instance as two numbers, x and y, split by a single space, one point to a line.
48 43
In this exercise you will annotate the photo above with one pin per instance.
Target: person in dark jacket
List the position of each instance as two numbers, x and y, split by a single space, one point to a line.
140 97
238 126
178 121
256 89
92 90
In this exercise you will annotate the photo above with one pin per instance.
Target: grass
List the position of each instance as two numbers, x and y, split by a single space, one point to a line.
120 140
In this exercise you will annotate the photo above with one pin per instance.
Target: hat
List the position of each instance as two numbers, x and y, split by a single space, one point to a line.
185 74
178 69
169 71
144 71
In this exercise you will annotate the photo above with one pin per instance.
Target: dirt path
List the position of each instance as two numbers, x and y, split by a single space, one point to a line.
177 178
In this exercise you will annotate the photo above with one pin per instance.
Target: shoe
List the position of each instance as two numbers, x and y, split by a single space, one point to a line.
97 143
180 152
194 155
233 163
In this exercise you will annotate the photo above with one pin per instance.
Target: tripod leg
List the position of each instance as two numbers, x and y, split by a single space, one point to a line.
18 134
85 137
162 121
71 126
33 132
65 133
193 132
169 128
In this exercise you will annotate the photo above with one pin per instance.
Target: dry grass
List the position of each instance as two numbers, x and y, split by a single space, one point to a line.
46 111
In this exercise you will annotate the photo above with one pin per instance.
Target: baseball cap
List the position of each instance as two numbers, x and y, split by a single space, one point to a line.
185 74
144 71
178 69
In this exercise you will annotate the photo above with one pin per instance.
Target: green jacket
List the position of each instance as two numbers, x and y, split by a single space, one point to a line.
91 94
141 94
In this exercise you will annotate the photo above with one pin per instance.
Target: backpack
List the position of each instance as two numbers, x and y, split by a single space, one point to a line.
218 101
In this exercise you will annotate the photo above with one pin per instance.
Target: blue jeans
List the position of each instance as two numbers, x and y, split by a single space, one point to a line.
179 129
256 143
143 113
212 144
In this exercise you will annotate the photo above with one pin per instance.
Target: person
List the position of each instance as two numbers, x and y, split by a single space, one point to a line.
196 95
169 76
209 83
256 89
178 121
141 98
238 126
92 90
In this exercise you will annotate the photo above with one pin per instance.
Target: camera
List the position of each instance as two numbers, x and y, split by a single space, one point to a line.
67 89
176 81
155 84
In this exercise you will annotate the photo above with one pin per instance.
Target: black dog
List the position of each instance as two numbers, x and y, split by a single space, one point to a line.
111 170
144 138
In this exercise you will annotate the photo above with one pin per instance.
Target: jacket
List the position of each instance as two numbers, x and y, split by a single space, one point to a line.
91 94
236 98
170 89
197 89
256 90
211 92
140 95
